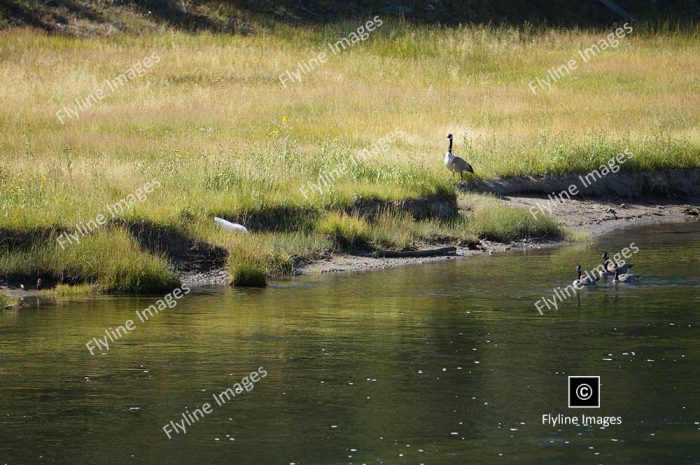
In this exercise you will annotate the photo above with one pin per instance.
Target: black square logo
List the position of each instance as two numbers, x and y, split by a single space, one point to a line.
584 391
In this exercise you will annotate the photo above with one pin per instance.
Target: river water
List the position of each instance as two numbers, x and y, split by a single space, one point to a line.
446 363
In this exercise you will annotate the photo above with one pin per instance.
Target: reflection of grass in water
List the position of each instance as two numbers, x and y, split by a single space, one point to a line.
227 139
6 302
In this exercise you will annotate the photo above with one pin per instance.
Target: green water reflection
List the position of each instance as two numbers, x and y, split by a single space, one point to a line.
438 364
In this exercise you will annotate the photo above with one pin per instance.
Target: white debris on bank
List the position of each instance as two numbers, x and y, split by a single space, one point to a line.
227 225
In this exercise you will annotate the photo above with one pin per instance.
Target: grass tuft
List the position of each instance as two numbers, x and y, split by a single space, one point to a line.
246 271
346 231
492 220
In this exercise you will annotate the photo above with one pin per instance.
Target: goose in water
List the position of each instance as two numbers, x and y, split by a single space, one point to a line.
454 163
585 281
611 265
625 277
608 267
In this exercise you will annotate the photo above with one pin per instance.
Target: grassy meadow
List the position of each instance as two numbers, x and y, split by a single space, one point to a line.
214 125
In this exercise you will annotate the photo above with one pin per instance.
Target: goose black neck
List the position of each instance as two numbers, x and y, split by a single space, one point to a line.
449 149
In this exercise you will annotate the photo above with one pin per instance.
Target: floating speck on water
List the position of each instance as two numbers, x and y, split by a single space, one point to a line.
607 360
514 429
420 372
650 360
444 369
476 361
459 368
217 439
334 426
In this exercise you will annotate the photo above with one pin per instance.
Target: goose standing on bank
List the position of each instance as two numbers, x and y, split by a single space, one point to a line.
585 281
454 163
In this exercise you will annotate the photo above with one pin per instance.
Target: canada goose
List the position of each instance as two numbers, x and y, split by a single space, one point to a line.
585 281
625 277
608 267
611 265
39 284
456 164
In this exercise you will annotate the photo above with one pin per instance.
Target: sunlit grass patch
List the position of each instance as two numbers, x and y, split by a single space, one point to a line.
346 231
493 220
108 259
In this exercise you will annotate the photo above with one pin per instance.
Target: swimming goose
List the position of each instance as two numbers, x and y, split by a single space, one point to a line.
611 265
585 281
454 163
625 277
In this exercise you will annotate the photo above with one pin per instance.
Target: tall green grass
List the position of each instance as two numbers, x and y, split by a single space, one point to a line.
109 259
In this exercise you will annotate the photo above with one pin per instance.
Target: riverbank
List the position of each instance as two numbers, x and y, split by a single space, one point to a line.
583 219
589 217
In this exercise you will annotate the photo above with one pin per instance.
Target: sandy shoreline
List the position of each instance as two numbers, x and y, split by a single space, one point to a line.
591 216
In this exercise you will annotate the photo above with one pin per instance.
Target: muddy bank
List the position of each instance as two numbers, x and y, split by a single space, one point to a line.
590 216
673 183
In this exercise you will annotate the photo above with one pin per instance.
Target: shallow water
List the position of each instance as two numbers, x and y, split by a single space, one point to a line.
447 363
